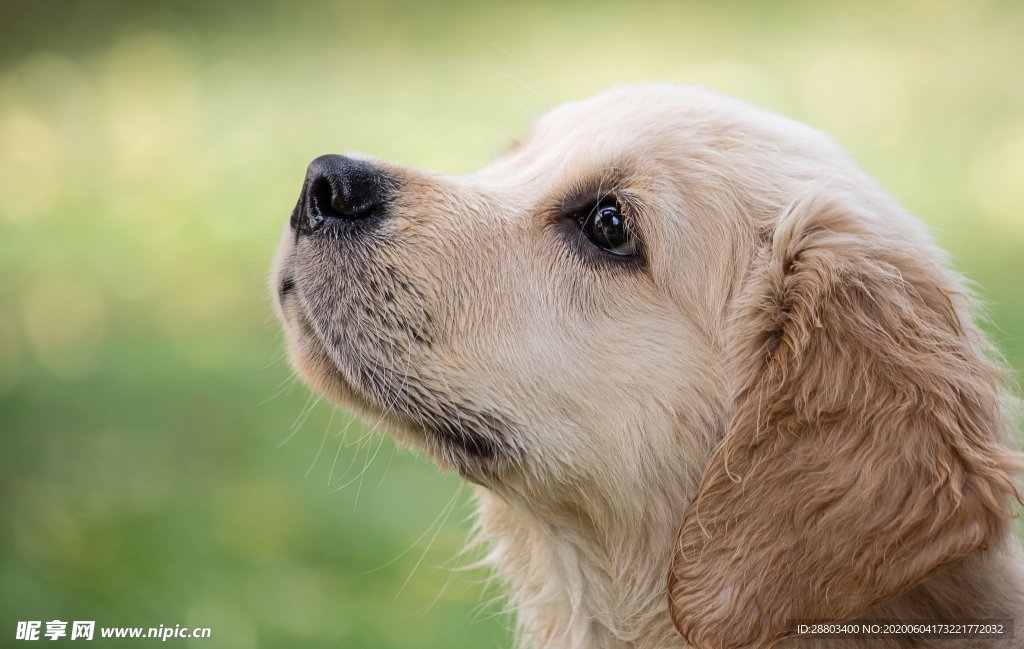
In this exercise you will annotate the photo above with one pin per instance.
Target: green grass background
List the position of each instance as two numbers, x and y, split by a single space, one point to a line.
158 465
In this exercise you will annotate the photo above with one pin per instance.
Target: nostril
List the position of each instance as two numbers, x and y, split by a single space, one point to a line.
321 201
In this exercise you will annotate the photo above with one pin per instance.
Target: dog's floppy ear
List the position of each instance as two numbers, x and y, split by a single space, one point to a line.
863 452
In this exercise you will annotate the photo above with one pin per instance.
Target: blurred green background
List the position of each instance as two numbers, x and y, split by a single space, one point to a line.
160 466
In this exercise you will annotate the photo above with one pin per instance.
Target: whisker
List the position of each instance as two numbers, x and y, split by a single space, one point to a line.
311 403
437 519
286 384
323 441
343 434
430 544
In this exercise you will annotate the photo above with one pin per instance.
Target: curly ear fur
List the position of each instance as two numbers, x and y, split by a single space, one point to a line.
865 449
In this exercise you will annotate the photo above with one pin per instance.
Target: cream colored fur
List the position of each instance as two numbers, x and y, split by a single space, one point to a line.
788 319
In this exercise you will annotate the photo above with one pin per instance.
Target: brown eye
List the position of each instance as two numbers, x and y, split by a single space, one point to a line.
606 229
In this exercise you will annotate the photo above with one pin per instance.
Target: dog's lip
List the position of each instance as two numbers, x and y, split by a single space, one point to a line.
284 287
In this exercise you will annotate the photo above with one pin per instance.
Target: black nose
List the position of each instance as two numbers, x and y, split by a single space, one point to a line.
340 189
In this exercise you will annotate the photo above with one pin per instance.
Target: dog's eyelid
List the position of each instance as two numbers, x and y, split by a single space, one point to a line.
583 201
584 205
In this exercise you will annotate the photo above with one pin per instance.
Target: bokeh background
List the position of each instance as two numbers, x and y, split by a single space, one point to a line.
158 463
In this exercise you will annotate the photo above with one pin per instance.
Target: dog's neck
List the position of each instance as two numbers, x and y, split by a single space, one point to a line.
571 586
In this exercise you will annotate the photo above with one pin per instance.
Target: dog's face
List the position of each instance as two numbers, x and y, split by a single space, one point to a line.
660 301
557 316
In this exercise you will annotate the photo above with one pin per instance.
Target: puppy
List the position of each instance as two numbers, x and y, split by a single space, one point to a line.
709 380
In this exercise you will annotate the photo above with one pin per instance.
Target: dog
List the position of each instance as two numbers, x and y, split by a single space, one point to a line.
708 379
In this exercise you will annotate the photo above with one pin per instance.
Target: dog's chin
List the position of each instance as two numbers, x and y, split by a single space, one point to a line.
476 457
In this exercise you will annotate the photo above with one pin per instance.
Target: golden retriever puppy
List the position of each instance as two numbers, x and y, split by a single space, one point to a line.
709 380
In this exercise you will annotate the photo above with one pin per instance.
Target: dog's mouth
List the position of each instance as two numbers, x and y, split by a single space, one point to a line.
478 444
285 288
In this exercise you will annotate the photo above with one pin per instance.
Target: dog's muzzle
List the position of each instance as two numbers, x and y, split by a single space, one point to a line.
340 190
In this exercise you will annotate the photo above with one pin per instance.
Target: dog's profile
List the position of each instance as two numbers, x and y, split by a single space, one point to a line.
708 378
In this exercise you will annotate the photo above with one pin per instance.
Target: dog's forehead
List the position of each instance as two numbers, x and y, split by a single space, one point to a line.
629 122
621 118
639 107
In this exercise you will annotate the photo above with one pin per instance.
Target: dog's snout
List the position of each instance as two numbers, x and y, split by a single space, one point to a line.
341 189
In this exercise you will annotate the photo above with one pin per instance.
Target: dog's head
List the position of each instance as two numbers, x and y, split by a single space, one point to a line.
661 295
